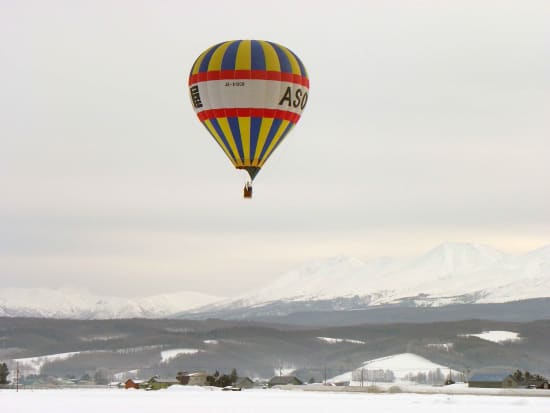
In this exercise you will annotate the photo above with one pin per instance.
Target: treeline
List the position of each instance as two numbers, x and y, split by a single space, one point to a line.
4 373
216 379
222 380
431 377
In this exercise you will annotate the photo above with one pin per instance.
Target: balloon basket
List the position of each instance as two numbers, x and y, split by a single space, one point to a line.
247 191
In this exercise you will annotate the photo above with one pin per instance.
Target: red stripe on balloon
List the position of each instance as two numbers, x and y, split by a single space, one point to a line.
248 74
246 112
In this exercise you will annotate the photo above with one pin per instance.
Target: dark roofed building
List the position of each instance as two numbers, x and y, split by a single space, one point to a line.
156 382
282 380
244 383
493 380
197 378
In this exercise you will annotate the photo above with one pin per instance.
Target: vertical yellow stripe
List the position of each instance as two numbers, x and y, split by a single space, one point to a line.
264 130
244 56
244 127
293 62
217 57
276 139
271 58
224 125
218 138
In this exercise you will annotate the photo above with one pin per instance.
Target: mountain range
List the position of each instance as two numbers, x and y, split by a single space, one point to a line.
449 274
77 304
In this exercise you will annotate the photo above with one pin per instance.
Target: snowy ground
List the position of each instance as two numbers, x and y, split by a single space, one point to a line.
168 355
496 336
400 364
265 401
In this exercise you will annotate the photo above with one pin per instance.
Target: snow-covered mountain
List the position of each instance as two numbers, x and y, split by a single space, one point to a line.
70 303
451 273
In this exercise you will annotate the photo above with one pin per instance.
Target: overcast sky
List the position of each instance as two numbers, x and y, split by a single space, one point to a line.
427 121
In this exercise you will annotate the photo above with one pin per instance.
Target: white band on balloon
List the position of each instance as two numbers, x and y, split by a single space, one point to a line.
248 93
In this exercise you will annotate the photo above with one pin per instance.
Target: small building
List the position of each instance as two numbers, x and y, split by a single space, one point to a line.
283 380
493 380
538 383
157 383
197 378
244 383
133 383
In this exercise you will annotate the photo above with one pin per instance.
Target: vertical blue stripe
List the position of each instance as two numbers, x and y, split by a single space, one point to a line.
255 124
283 59
216 126
204 64
274 128
236 131
230 56
258 57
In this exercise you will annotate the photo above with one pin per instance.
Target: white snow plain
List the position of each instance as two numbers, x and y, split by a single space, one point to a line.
168 355
496 336
33 365
185 398
332 340
400 364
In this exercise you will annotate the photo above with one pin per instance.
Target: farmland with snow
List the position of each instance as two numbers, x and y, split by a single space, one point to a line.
496 336
402 367
183 398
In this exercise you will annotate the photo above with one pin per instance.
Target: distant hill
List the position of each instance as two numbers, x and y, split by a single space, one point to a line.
146 347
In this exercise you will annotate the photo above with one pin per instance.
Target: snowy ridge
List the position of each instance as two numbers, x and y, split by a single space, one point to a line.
70 303
452 273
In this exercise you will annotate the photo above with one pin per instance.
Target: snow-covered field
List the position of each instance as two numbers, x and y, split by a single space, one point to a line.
265 401
32 365
332 340
496 336
168 355
400 364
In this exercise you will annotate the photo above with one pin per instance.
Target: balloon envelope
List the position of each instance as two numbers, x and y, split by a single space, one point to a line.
248 94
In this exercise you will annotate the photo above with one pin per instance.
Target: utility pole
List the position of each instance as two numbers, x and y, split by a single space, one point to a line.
17 377
362 376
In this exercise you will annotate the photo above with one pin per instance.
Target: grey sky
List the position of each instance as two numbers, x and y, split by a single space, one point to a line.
427 122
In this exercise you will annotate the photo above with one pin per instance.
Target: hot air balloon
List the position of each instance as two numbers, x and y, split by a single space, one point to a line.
248 94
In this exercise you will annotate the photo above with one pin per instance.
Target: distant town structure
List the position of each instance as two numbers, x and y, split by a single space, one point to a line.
157 383
133 383
197 378
282 380
517 379
494 380
244 383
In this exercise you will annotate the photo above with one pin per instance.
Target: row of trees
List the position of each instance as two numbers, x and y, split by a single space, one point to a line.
373 375
523 377
216 379
222 380
4 373
431 377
